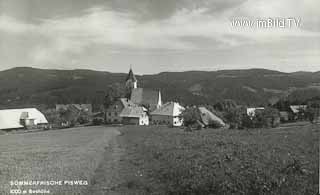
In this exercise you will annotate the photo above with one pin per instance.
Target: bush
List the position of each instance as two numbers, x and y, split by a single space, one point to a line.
190 116
97 121
313 111
83 118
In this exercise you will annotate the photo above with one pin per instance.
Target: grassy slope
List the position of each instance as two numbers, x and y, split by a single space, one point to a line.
266 161
71 154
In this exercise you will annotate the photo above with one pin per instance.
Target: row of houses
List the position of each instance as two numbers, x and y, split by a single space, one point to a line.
292 113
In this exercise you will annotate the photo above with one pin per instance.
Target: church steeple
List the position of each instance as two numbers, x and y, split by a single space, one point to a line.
131 83
131 77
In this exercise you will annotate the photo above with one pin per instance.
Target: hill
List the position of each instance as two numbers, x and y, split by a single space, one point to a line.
25 86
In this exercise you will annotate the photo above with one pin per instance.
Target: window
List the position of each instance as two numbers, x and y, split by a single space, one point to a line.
115 114
109 113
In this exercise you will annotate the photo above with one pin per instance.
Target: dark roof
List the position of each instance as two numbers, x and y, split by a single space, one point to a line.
126 102
145 97
132 112
131 76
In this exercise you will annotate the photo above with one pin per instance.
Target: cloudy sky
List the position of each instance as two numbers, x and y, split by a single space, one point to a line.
157 35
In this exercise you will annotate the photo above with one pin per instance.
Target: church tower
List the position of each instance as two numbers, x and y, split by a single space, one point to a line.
131 83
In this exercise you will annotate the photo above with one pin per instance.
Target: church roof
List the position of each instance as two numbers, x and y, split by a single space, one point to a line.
126 102
169 109
145 97
131 76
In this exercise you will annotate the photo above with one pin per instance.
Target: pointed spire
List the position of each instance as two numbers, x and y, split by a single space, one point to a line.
131 75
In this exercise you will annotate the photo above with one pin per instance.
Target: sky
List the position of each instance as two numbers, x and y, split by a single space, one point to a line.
154 36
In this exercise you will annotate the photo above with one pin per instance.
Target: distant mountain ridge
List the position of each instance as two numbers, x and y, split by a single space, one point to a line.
26 86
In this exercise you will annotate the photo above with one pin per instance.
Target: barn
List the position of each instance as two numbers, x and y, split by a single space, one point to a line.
21 118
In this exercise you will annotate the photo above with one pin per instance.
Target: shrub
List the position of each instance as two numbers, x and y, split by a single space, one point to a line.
190 116
97 121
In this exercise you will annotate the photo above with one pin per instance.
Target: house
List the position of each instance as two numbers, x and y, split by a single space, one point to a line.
208 118
148 98
297 111
72 114
251 112
79 107
134 115
21 118
168 114
114 110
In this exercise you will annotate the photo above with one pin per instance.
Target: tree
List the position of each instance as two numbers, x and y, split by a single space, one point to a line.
269 117
235 117
313 111
190 116
113 92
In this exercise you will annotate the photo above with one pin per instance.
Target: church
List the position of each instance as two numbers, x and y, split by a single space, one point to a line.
148 98
134 108
143 106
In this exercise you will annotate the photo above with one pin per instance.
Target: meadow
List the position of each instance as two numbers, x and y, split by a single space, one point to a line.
69 154
221 161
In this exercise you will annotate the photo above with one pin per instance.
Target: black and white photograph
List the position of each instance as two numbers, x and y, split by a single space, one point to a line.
159 97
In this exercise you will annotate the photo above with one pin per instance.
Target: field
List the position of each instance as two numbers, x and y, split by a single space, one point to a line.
161 160
70 154
260 161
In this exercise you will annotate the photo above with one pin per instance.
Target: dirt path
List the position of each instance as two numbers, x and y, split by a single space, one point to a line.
107 177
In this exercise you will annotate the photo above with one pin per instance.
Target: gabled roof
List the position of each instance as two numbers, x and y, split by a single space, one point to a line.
207 117
297 108
131 76
10 119
169 109
145 97
134 112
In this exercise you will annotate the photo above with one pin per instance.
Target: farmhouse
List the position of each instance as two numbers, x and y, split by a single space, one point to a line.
167 114
251 112
297 111
77 107
21 118
114 110
135 115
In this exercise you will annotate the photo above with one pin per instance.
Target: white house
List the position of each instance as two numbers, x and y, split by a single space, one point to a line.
251 112
21 118
134 115
167 114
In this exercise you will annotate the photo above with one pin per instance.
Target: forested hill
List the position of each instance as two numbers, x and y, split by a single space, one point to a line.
29 86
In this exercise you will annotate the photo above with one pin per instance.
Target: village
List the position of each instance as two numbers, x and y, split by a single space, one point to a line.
144 106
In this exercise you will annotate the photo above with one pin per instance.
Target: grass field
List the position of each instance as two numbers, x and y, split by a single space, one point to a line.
260 161
70 154
161 160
